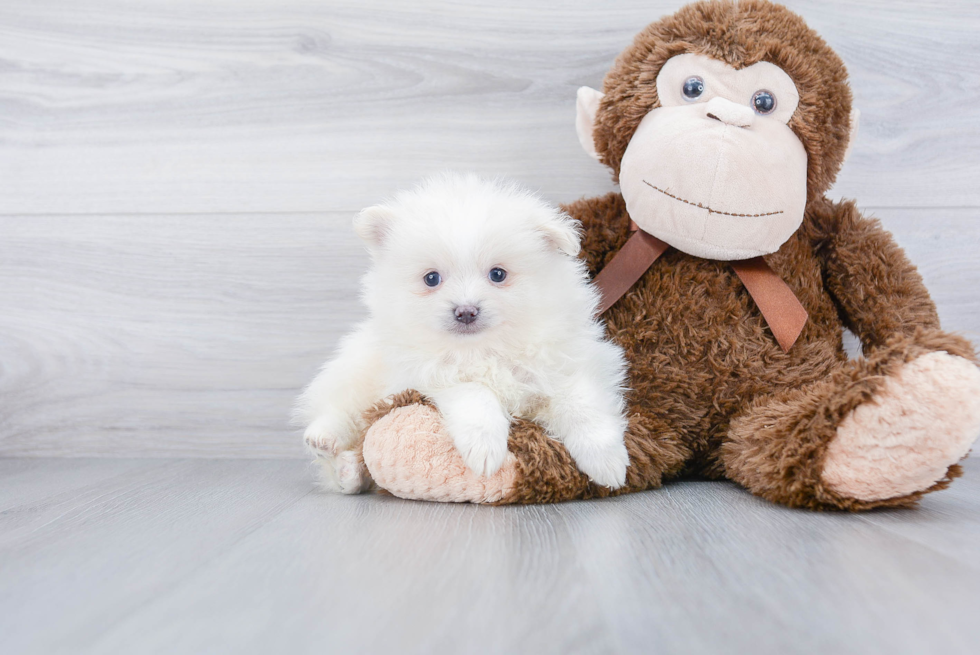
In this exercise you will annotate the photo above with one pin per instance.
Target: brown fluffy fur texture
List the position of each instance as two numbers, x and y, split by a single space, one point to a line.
711 392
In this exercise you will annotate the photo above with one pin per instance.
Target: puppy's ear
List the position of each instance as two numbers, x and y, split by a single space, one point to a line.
373 225
563 232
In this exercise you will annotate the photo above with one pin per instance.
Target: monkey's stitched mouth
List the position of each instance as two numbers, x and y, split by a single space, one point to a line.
710 210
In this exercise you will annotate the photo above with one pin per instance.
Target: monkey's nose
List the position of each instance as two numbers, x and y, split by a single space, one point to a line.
466 314
728 112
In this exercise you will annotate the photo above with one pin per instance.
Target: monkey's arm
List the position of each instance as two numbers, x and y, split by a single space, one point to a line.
880 294
878 431
605 228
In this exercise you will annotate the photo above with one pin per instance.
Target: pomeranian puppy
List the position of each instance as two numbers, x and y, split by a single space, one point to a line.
476 299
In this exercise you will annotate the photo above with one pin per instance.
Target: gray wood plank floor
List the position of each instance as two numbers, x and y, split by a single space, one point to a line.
212 556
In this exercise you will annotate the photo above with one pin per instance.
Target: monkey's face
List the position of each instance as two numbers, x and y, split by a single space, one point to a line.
715 171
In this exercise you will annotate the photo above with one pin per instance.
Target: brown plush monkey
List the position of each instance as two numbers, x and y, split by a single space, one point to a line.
725 124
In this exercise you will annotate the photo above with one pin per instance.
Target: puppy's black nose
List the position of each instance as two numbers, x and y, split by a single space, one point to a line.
467 314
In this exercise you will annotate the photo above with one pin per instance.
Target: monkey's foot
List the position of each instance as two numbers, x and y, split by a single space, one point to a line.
921 422
409 454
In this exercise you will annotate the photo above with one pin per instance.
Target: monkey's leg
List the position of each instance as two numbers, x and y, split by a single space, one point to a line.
409 454
877 432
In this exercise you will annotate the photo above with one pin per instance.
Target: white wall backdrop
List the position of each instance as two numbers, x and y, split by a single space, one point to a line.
177 180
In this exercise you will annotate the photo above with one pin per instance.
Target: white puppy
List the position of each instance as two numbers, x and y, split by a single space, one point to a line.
476 300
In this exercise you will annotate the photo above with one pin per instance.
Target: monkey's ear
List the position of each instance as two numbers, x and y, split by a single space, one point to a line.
563 233
586 106
373 225
852 137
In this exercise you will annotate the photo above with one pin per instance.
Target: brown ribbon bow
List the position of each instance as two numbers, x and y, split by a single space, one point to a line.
777 302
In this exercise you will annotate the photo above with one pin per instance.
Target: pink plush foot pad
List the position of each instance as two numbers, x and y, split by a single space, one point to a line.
409 454
921 422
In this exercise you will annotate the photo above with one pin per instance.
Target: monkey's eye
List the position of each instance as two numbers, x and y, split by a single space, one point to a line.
693 87
497 275
432 279
763 102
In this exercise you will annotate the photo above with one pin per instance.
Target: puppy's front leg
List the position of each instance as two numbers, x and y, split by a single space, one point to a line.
331 409
589 420
477 423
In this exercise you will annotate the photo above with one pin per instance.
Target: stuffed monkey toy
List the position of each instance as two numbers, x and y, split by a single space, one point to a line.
729 278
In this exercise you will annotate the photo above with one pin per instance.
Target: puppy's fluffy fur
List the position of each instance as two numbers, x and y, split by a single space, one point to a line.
485 349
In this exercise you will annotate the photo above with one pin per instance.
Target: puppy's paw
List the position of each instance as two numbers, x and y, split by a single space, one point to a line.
483 445
484 456
478 425
599 451
345 473
329 433
351 473
606 465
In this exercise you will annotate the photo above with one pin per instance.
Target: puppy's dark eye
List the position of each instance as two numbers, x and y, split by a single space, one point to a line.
764 102
693 87
432 279
497 275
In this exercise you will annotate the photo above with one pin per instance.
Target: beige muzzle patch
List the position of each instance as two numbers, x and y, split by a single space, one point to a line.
711 188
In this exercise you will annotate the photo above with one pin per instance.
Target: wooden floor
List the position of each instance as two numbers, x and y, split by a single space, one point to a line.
244 556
